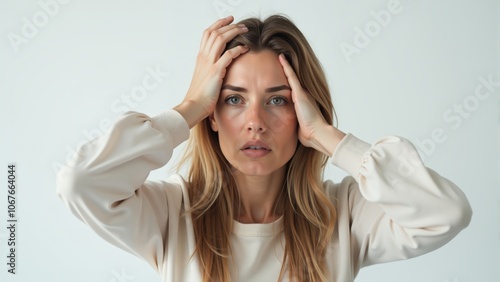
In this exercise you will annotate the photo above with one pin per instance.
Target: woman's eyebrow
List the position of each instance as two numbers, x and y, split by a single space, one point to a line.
278 88
270 89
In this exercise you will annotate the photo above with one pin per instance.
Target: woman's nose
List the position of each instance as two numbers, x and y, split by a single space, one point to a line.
255 119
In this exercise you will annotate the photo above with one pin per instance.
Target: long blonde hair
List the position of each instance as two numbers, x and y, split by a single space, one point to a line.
308 215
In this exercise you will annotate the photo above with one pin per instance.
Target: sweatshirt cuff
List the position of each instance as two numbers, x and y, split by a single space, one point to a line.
349 154
172 123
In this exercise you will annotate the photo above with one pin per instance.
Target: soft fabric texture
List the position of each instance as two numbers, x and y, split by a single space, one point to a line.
392 207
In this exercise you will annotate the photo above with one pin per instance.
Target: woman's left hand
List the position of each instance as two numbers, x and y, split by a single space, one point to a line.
314 131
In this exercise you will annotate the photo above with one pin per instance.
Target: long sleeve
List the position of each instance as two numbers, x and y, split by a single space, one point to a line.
105 184
398 208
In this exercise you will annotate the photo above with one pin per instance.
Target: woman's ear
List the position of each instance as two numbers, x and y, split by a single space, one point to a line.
213 123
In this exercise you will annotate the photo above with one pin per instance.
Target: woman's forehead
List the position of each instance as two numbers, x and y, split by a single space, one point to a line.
262 68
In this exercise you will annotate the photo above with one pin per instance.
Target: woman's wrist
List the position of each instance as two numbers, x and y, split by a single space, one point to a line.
192 112
327 139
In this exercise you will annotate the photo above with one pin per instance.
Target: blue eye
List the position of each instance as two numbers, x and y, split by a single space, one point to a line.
233 100
277 101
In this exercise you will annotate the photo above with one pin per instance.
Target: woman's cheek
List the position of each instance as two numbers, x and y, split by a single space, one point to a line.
234 112
231 116
282 119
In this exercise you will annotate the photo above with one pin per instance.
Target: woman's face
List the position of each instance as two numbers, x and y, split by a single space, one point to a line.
255 116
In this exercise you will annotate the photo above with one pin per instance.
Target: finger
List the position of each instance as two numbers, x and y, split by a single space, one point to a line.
228 56
291 76
216 25
298 92
218 40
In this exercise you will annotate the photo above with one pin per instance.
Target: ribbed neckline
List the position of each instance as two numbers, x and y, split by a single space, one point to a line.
258 229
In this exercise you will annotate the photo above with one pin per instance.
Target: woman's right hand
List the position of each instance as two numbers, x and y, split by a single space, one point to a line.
210 70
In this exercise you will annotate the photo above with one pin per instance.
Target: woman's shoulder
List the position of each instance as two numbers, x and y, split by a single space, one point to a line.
344 193
345 186
174 188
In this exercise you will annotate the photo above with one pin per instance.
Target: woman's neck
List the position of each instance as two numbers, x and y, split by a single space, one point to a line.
259 196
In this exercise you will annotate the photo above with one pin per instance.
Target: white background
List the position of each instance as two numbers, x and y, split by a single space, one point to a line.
63 80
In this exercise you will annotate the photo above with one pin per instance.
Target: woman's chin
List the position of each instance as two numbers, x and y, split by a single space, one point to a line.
255 170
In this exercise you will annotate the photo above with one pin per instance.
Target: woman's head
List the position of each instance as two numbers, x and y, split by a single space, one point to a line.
254 117
256 71
280 35
308 214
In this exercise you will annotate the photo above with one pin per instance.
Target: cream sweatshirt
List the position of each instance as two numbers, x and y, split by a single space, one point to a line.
392 207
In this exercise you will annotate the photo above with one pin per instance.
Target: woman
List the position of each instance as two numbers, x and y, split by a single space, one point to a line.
254 206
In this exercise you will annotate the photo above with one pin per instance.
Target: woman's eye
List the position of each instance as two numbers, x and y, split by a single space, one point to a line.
233 100
278 101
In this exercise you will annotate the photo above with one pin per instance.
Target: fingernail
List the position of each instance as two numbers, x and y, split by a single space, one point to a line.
242 26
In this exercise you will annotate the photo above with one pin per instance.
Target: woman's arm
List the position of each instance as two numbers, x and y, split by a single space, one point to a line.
105 185
398 207
211 64
402 208
314 131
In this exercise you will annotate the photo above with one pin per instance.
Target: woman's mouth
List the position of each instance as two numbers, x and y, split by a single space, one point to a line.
255 149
